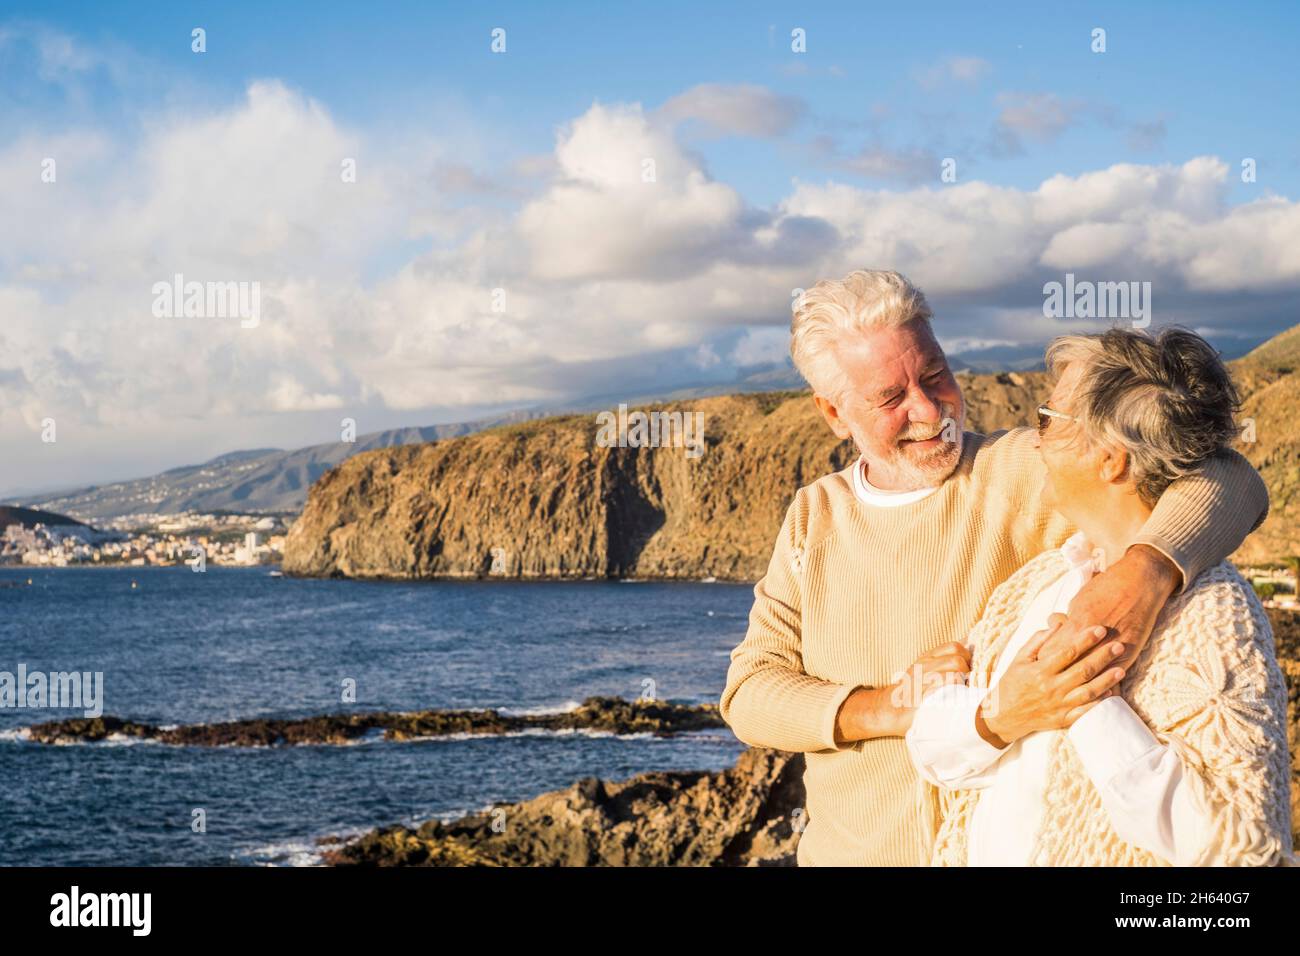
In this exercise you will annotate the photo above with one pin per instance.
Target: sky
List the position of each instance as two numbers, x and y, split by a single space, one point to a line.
617 198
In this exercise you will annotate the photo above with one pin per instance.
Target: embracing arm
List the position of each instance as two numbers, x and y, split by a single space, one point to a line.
1203 518
1198 522
945 744
770 699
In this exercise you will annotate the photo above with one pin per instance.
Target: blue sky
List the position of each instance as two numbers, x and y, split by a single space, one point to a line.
482 171
1216 75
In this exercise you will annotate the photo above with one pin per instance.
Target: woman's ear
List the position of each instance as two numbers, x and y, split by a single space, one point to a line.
1112 464
832 416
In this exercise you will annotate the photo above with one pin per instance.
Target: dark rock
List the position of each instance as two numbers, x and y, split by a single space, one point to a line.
739 817
610 714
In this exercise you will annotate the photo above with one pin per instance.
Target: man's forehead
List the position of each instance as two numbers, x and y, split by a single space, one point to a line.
887 351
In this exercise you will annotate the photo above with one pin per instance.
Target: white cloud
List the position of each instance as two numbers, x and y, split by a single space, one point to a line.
1170 224
379 294
907 166
736 109
965 70
762 346
631 202
1040 117
1089 244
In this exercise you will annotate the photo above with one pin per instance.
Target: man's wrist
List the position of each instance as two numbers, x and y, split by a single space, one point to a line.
869 712
1159 567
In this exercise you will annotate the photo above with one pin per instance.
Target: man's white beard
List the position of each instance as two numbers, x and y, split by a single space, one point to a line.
933 468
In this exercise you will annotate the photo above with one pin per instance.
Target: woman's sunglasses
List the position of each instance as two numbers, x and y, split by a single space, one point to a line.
1045 416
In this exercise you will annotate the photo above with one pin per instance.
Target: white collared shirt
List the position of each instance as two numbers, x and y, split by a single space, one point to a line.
1139 778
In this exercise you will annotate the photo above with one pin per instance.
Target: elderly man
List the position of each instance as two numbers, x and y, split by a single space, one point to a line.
877 567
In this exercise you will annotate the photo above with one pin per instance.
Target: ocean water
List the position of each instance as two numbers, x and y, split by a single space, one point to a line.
182 647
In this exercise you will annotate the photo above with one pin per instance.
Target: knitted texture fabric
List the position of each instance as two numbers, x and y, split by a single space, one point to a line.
1207 683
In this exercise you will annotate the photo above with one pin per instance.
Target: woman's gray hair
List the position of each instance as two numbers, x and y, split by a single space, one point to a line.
1167 399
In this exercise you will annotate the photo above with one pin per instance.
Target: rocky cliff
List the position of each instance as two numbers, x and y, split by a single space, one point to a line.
1269 378
545 500
605 714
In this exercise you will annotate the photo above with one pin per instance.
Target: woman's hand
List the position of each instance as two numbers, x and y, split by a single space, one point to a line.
1052 690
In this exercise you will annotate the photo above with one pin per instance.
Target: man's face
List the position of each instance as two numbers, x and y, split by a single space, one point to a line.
901 391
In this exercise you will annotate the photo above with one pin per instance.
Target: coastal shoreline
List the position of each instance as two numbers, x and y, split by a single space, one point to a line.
745 816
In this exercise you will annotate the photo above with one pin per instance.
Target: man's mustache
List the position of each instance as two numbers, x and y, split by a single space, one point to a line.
923 431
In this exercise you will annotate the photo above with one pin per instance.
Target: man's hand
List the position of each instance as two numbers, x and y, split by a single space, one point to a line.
871 712
1051 683
1125 599
946 664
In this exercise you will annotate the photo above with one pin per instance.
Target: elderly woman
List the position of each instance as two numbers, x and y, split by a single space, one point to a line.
1057 754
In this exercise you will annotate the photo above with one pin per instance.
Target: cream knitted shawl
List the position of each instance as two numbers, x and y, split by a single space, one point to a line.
1207 683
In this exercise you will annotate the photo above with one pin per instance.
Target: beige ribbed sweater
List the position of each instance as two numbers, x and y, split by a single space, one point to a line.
854 594
1207 684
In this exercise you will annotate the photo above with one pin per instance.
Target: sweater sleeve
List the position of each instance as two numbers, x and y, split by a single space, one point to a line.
1224 717
769 700
1198 522
1203 518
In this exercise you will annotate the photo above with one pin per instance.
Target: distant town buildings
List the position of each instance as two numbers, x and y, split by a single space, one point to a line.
143 540
1276 587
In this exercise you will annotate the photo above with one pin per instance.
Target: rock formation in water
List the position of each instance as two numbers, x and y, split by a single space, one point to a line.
745 816
607 714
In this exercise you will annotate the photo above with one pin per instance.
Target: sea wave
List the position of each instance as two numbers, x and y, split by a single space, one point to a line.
370 737
295 853
306 852
545 710
535 732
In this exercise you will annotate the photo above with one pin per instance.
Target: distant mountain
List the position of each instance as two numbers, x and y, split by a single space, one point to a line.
257 481
275 481
28 517
998 358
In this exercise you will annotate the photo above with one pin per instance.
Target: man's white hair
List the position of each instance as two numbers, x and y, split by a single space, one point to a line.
863 299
